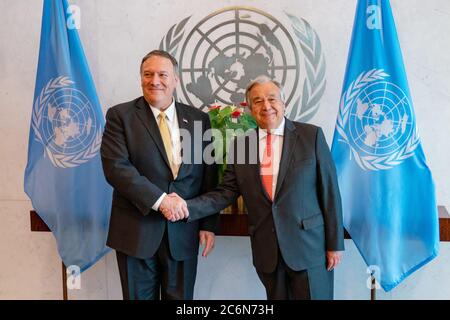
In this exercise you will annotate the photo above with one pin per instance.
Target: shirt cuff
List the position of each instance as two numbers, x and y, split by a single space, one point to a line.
158 202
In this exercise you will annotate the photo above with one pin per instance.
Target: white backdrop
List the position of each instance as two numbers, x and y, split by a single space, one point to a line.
116 34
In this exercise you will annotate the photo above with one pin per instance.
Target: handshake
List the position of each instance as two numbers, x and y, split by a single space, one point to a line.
174 208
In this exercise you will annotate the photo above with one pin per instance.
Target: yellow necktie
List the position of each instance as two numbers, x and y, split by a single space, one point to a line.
165 135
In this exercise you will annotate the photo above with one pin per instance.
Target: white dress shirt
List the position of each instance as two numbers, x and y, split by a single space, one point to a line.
277 144
174 129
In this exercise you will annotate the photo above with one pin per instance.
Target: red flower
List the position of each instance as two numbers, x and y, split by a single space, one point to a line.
244 104
236 114
214 107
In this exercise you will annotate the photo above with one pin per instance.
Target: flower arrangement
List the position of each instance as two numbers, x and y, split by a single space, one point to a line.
231 121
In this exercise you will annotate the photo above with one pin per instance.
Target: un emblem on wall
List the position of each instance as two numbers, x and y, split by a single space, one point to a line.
231 47
376 121
64 122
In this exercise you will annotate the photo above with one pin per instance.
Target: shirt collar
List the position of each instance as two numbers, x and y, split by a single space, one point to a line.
170 111
278 131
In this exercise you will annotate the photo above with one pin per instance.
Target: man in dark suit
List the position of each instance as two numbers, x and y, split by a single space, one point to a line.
287 178
141 154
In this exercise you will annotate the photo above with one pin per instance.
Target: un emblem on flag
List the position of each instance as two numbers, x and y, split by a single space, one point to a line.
376 121
66 125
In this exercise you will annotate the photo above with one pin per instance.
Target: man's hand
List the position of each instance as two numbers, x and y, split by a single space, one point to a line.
174 208
207 239
333 259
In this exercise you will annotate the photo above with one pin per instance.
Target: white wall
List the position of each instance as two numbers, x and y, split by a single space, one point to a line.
116 34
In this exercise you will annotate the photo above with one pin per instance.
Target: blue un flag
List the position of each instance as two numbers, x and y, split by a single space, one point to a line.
387 189
64 177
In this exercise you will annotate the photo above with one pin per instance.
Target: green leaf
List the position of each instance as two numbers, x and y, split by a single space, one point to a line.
213 113
222 120
226 111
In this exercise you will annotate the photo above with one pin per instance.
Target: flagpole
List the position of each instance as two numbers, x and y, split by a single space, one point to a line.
373 288
64 280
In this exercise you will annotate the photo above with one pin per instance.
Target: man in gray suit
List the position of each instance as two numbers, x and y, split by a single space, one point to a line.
141 155
286 175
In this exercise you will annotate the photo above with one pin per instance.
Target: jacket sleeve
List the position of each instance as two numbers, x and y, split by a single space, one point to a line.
120 172
217 199
210 179
329 195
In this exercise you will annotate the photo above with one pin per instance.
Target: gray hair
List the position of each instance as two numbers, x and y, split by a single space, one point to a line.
261 80
164 54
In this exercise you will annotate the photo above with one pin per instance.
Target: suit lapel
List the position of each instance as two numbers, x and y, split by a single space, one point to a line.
289 141
185 123
149 122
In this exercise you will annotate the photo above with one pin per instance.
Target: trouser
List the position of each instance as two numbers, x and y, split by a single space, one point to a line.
286 284
158 277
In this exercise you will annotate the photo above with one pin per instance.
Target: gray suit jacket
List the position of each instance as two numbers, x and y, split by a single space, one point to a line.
305 218
136 165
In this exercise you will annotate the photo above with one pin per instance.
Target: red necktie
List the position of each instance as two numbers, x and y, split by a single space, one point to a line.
267 166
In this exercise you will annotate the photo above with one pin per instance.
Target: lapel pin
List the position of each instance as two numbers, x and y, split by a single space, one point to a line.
184 120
